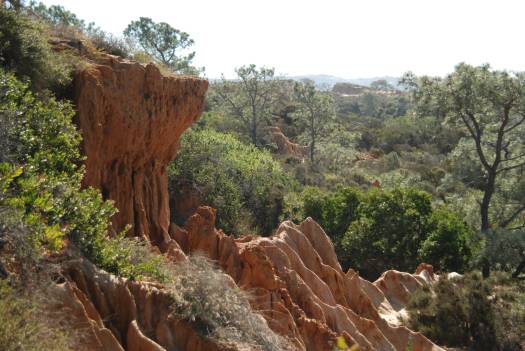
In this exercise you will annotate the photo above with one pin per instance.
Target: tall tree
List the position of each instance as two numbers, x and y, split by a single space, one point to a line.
249 97
163 43
316 109
489 106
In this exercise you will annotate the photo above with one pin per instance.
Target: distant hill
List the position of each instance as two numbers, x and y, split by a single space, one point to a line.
327 81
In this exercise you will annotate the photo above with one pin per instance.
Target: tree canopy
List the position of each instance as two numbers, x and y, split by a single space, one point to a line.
489 106
163 43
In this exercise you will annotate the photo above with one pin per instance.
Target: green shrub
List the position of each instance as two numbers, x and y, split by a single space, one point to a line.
229 176
391 227
472 313
447 245
376 230
334 211
398 227
24 49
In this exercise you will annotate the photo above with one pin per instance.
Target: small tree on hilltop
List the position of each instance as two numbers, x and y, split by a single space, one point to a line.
249 99
315 111
163 43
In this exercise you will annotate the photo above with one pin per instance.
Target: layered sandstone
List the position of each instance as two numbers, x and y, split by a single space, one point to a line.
115 314
297 284
285 146
131 117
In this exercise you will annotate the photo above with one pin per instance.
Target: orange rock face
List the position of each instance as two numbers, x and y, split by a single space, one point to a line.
114 314
297 284
285 146
131 118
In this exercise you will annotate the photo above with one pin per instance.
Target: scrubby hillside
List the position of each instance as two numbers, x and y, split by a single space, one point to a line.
130 222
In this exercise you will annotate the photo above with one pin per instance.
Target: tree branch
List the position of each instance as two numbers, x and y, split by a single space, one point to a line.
514 214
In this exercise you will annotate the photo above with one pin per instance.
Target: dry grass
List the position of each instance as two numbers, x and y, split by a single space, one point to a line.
26 326
211 301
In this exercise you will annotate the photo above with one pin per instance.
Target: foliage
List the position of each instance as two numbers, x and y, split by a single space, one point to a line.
248 99
335 211
376 230
470 312
40 180
26 325
488 106
229 176
448 244
24 49
315 110
164 43
206 297
398 227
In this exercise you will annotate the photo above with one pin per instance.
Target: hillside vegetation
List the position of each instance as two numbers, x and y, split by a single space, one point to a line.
433 173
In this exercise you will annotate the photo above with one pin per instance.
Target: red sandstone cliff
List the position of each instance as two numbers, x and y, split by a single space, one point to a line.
131 118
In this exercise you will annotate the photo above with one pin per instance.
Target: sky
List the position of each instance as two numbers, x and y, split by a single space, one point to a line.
344 38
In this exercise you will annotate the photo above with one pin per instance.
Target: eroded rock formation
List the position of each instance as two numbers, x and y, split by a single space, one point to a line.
285 146
131 118
114 314
298 285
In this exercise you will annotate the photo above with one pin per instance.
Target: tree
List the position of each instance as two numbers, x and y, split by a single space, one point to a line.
316 110
56 15
489 106
381 84
249 98
163 43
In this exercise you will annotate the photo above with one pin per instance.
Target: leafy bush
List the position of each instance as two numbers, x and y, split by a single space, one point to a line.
396 228
210 300
229 176
25 50
376 230
334 211
448 245
469 312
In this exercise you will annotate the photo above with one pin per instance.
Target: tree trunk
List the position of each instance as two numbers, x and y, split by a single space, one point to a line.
253 127
519 269
487 196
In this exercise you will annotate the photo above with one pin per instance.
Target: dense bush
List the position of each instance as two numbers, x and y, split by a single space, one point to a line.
376 230
24 49
448 245
243 183
468 312
399 227
334 211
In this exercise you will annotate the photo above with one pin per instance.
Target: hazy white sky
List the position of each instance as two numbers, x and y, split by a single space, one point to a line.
346 38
